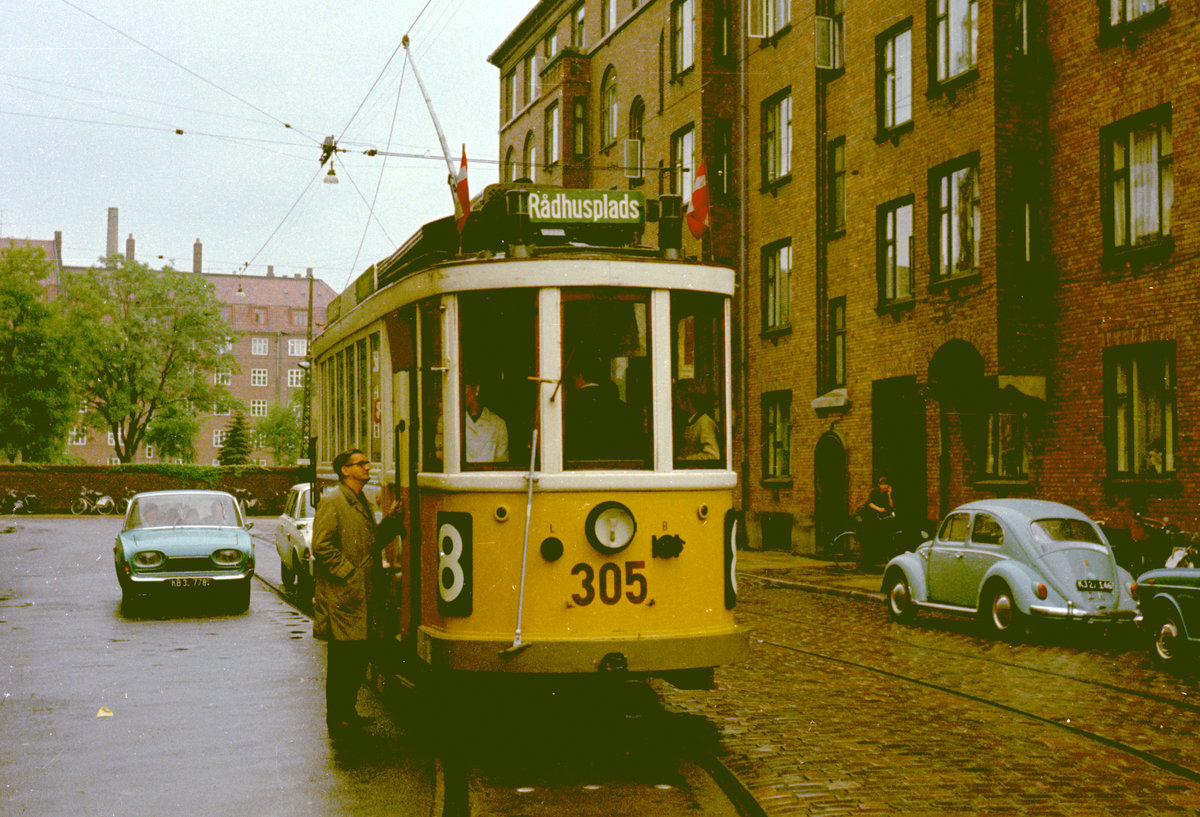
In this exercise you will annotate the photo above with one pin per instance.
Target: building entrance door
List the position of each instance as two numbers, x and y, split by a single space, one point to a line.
898 446
832 488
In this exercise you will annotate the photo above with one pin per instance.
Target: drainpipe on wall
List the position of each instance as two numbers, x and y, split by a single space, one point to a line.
742 289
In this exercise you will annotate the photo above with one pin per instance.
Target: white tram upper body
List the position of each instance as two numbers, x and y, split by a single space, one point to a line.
598 376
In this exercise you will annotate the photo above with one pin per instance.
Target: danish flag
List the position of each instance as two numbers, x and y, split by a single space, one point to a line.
460 190
697 215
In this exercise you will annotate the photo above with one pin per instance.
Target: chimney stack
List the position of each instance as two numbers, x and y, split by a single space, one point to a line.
197 257
129 248
270 270
112 233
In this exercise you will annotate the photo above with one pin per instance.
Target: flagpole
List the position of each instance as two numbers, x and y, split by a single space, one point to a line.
436 124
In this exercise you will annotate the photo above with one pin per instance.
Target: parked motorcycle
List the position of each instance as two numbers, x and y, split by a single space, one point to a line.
1165 545
123 502
91 501
13 501
247 500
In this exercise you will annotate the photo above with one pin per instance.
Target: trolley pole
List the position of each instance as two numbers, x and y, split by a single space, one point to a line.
310 451
437 125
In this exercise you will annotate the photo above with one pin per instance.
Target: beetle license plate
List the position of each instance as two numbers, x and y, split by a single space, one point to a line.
190 581
1094 584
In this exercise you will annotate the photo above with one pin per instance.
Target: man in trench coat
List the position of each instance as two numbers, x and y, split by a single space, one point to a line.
345 542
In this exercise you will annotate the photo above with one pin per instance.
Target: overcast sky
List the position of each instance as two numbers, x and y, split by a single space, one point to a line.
92 92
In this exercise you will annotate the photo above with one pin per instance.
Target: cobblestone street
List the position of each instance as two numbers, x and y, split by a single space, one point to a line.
839 711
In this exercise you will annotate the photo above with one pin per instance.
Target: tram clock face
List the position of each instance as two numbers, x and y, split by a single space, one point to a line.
610 527
455 542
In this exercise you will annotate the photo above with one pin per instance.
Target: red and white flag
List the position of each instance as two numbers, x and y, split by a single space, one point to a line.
460 190
697 214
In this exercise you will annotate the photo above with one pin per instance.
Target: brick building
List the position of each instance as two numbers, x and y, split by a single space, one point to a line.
962 257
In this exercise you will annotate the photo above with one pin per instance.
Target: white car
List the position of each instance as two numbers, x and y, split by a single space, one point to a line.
293 541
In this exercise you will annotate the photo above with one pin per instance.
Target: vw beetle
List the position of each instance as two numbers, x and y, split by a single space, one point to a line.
1011 560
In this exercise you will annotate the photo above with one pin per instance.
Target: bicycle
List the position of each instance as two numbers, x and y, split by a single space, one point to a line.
90 501
848 550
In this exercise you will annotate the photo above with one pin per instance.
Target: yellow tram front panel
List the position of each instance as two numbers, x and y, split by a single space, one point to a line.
663 601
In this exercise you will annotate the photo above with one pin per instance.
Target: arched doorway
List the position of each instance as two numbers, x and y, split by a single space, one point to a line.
832 489
957 382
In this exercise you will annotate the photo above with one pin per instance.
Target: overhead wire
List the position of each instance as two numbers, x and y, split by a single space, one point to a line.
182 67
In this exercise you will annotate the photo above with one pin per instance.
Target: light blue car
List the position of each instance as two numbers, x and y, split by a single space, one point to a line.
1010 560
185 540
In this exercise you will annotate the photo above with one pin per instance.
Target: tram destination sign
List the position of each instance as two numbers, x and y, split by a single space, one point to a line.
577 207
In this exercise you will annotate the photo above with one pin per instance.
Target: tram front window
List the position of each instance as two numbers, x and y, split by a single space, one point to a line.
698 372
498 397
606 379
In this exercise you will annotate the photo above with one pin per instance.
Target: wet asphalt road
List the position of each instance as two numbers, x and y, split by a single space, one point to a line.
185 709
211 713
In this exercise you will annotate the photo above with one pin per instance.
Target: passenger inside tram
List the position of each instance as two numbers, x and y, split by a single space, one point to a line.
597 420
696 435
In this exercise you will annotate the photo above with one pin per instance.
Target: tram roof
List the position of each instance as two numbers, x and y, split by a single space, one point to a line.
518 220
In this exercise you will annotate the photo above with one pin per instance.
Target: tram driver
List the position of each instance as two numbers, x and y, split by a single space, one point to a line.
486 434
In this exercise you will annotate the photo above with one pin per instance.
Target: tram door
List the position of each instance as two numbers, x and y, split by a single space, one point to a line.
403 587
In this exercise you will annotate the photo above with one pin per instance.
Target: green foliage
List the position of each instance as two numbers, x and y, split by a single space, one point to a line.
238 446
40 353
174 433
154 340
281 432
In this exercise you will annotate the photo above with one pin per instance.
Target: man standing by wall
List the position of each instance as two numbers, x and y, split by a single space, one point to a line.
345 542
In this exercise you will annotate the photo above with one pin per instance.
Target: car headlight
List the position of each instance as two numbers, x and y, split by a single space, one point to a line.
610 527
148 559
227 556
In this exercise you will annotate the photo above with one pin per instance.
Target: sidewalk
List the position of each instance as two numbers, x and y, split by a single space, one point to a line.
811 573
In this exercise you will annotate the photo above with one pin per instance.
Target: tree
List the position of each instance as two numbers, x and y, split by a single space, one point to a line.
40 353
281 432
238 445
155 340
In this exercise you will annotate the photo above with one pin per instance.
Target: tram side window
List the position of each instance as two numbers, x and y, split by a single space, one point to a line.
606 378
498 354
698 375
431 384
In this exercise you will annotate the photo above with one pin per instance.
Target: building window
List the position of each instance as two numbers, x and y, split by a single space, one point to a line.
1123 12
837 185
1140 396
683 35
529 77
608 99
777 286
77 436
955 223
837 33
1139 180
218 437
579 127
148 453
529 157
551 136
258 377
637 117
258 315
297 347
578 21
550 44
1021 25
894 236
222 378
894 71
608 16
295 378
1008 450
836 376
957 29
722 28
766 18
508 96
777 138
258 408
777 434
259 346
683 161
299 317
220 410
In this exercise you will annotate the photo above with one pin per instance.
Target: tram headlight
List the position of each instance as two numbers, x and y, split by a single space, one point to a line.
610 527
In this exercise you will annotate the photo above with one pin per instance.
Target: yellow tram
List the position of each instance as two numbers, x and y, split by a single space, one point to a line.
551 404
